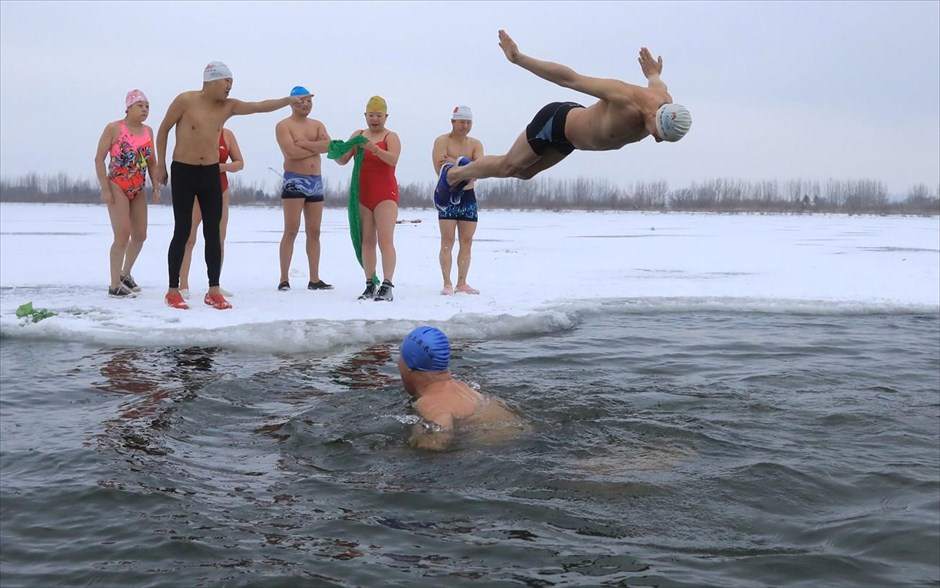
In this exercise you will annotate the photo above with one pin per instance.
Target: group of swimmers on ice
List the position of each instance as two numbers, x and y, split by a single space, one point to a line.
623 114
205 151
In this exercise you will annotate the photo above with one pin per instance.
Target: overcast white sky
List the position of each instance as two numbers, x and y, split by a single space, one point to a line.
777 90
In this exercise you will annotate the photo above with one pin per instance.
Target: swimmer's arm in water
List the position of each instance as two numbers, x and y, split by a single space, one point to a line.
435 438
432 441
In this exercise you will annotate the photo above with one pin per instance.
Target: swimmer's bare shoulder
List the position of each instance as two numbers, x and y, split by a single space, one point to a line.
494 412
445 401
495 424
486 419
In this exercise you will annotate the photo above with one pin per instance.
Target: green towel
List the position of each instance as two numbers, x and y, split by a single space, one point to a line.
36 314
336 150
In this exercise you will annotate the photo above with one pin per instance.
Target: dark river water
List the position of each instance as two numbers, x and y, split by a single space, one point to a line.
699 448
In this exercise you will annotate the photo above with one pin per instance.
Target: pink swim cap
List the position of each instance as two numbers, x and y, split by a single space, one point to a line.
135 96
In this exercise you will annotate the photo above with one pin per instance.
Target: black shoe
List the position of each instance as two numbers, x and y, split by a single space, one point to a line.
385 292
122 291
320 285
128 281
369 292
283 286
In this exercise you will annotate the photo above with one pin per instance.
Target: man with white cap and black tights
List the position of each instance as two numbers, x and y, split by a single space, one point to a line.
198 116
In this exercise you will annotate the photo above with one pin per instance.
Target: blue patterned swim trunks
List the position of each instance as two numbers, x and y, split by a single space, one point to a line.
466 210
310 188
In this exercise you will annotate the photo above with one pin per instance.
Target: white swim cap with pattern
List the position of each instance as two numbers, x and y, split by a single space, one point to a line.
673 122
216 70
462 113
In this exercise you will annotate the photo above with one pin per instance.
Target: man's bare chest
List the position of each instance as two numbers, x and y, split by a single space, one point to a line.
203 119
458 147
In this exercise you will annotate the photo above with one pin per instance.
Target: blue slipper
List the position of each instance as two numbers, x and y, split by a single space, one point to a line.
456 194
442 191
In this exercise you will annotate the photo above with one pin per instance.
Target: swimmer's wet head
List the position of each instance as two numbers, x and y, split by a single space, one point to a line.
426 349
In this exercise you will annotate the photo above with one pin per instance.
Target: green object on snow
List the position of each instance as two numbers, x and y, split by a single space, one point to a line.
27 310
336 150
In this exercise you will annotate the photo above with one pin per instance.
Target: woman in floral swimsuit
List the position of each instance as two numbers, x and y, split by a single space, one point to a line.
130 144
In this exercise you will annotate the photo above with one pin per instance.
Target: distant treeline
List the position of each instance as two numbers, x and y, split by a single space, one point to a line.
718 195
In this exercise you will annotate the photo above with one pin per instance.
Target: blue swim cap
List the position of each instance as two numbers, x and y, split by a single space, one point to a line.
299 91
426 349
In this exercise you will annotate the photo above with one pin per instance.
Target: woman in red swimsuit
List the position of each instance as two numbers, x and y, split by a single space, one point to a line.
228 149
378 197
130 143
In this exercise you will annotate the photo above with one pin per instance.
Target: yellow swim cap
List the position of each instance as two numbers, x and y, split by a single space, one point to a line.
376 104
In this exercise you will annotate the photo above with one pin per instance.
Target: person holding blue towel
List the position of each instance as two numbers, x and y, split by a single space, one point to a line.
458 213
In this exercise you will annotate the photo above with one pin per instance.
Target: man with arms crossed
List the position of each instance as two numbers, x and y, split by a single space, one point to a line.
302 140
198 116
623 114
459 216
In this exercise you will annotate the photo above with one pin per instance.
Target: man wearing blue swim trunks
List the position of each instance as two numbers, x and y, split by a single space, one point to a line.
623 114
459 214
302 140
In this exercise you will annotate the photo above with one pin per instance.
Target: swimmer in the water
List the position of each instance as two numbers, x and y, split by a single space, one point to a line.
442 400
